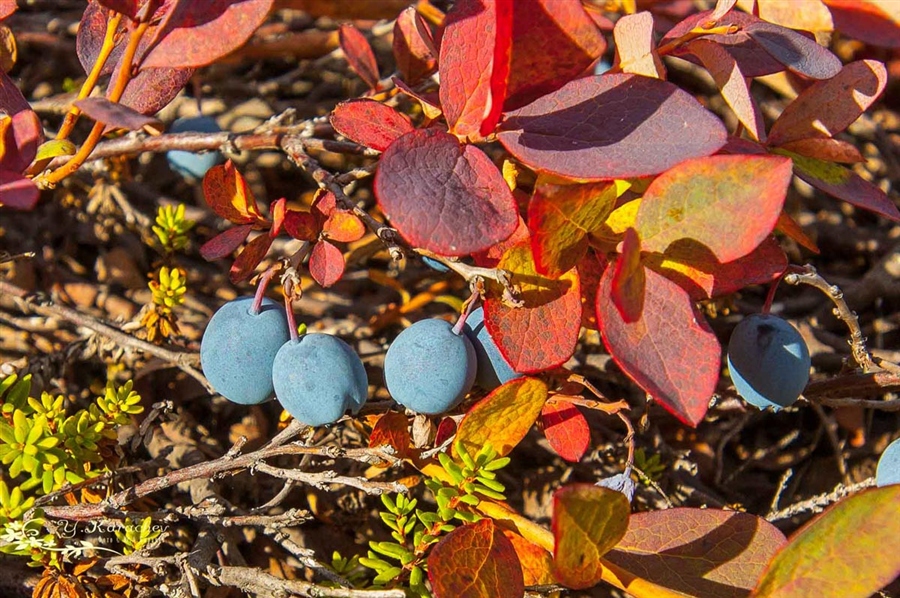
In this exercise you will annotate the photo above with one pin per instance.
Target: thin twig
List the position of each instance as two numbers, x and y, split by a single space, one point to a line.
818 503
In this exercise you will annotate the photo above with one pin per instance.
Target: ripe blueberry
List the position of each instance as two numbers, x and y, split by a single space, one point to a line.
768 361
238 348
888 470
318 377
429 368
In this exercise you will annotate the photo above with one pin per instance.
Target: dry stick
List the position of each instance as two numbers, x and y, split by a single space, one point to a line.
209 469
183 360
257 581
817 503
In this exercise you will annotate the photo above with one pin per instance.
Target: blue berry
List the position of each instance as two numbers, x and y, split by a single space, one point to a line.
768 361
888 470
238 349
493 369
318 377
428 368
435 265
189 163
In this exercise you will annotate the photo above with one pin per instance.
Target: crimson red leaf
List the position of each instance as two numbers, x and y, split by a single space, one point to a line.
731 83
413 53
696 270
794 50
843 183
391 429
446 429
369 123
752 61
225 242
359 54
637 142
635 51
865 21
706 201
249 258
553 42
629 279
697 552
326 263
561 216
23 134
197 33
566 430
116 115
301 225
474 65
670 352
828 107
475 561
542 334
444 196
16 191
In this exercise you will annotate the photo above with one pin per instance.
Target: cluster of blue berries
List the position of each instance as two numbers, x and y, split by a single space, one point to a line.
768 361
430 367
249 355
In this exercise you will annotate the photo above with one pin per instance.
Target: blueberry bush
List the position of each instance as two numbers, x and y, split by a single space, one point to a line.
449 298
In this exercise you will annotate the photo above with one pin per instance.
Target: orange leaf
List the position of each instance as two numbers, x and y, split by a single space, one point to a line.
536 562
228 195
392 429
587 522
475 561
344 227
503 417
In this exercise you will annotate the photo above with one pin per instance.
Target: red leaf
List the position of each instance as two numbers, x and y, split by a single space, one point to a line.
587 522
752 61
17 192
590 269
788 227
153 88
324 205
865 21
429 101
474 65
828 107
797 52
670 352
198 33
369 123
413 46
301 225
391 429
706 201
490 257
553 42
475 561
697 552
225 242
829 150
116 115
326 263
566 430
7 7
843 183
444 196
697 271
446 429
359 54
732 83
637 142
228 195
635 51
543 333
129 8
629 280
561 216
23 134
249 258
